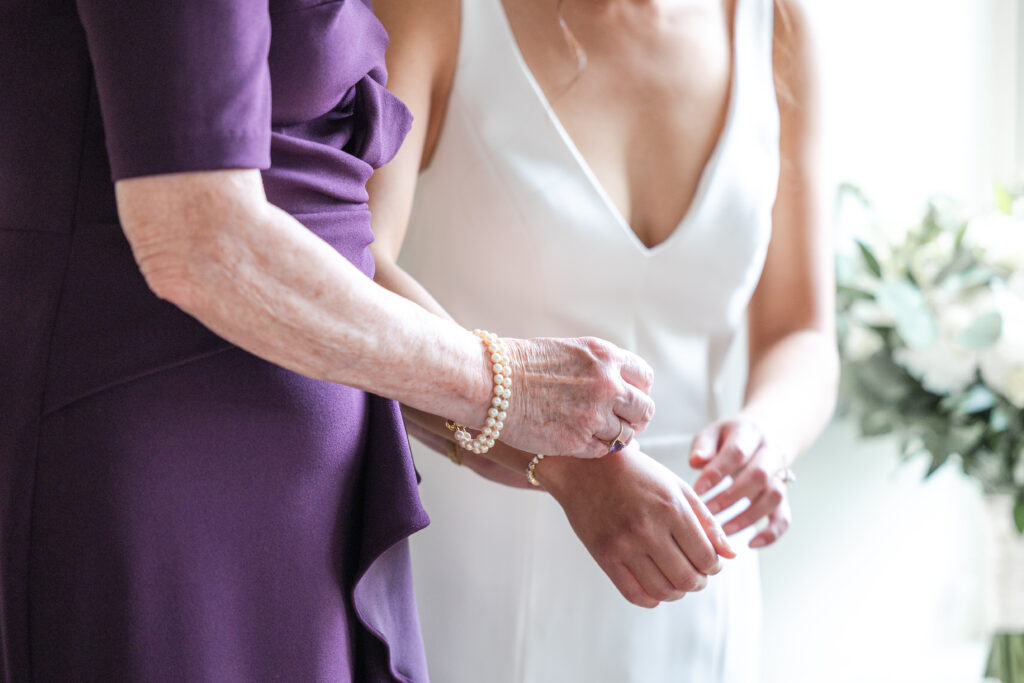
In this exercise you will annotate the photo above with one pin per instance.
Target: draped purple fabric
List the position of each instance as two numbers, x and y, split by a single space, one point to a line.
171 507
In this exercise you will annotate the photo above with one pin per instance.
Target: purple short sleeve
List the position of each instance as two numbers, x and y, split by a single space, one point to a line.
183 85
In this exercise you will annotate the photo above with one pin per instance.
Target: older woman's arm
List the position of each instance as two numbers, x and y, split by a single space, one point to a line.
794 366
210 243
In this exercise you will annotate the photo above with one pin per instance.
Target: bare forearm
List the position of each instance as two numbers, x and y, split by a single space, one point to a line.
272 287
791 390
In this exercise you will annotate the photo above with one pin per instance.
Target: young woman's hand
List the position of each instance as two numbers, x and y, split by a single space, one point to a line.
644 526
738 448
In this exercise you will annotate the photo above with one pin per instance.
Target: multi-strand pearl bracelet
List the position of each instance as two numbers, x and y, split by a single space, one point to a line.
502 373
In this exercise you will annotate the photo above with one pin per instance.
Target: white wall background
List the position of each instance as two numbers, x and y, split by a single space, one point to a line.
882 578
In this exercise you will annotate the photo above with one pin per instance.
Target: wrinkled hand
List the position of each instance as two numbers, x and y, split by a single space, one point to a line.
572 396
644 526
737 448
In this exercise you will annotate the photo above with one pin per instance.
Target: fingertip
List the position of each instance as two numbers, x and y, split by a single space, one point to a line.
698 460
758 542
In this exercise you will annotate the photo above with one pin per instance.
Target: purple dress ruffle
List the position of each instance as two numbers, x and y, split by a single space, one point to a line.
171 507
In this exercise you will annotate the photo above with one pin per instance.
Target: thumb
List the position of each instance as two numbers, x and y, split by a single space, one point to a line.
704 446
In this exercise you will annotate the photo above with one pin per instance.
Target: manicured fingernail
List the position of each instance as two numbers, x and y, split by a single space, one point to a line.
714 507
757 543
702 486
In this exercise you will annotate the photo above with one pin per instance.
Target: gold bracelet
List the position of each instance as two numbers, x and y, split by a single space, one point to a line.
496 414
530 476
452 451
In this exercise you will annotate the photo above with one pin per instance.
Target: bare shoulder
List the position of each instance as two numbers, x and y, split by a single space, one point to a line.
795 53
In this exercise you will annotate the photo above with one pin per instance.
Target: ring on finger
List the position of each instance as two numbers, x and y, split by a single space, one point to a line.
617 444
786 475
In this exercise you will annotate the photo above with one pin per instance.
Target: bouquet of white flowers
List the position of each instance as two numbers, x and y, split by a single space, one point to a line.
931 327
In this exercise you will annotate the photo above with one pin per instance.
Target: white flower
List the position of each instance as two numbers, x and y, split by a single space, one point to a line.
945 366
1002 364
860 343
1000 237
868 313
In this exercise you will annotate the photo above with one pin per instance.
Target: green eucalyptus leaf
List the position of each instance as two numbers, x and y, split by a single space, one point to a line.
983 332
975 276
876 423
1018 515
958 245
977 399
961 261
906 304
870 259
854 292
880 380
999 420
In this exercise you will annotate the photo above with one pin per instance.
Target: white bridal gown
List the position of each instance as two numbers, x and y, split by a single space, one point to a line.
512 232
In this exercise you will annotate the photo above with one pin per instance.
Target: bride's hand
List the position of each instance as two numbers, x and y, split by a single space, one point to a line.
737 448
575 396
644 526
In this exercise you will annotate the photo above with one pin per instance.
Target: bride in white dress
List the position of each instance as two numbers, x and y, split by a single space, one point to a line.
611 168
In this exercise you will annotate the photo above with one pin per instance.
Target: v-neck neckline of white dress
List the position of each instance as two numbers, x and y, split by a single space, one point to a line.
700 195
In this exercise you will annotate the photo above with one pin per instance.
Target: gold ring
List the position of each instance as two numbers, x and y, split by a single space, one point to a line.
617 444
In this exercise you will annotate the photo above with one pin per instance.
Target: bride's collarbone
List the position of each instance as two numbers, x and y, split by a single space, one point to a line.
645 112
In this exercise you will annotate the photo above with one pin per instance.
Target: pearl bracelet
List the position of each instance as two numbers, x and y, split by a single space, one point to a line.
499 402
530 475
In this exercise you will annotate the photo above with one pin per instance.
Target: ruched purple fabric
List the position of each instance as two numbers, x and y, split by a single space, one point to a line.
171 507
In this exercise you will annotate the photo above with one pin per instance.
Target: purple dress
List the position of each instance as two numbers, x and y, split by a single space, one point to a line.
173 508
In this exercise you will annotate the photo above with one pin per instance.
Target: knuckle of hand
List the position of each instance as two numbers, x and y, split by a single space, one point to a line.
599 349
760 478
708 563
689 583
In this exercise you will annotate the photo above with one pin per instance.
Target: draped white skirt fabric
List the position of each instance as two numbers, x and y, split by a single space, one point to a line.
508 594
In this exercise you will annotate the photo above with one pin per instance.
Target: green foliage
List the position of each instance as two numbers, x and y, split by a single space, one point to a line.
1006 659
891 299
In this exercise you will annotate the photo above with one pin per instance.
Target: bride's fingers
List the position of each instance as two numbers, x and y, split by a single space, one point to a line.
704 445
628 585
741 441
760 507
748 483
778 523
